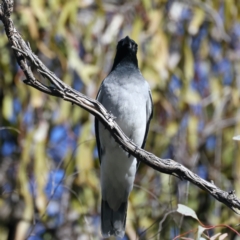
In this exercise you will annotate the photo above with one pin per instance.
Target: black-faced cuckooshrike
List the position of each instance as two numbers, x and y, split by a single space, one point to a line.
126 95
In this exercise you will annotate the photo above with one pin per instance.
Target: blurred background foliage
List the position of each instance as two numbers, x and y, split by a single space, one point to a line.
189 51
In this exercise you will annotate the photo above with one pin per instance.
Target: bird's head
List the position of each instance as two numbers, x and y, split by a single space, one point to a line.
126 52
127 45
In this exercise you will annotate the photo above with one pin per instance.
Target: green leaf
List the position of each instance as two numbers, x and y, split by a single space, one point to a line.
196 22
200 232
191 96
7 107
186 211
188 62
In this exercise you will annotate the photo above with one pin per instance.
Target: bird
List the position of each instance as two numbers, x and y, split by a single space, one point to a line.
127 96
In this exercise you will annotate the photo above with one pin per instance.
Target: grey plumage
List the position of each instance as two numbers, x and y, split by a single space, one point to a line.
126 95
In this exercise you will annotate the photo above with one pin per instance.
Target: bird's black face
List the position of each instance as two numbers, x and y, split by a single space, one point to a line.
127 44
126 52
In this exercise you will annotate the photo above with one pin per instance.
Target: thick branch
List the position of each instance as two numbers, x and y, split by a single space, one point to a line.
23 53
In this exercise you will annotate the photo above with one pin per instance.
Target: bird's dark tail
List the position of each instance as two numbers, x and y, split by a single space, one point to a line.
113 222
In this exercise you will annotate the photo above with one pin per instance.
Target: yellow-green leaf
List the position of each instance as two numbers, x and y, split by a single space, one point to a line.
7 107
188 62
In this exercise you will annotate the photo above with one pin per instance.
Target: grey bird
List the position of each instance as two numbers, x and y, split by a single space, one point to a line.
127 96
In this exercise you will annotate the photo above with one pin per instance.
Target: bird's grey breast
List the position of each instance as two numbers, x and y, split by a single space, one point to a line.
125 97
124 94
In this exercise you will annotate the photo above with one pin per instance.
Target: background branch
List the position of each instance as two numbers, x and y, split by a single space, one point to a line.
58 88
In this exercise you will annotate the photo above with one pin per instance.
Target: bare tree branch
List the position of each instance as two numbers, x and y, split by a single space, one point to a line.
58 88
